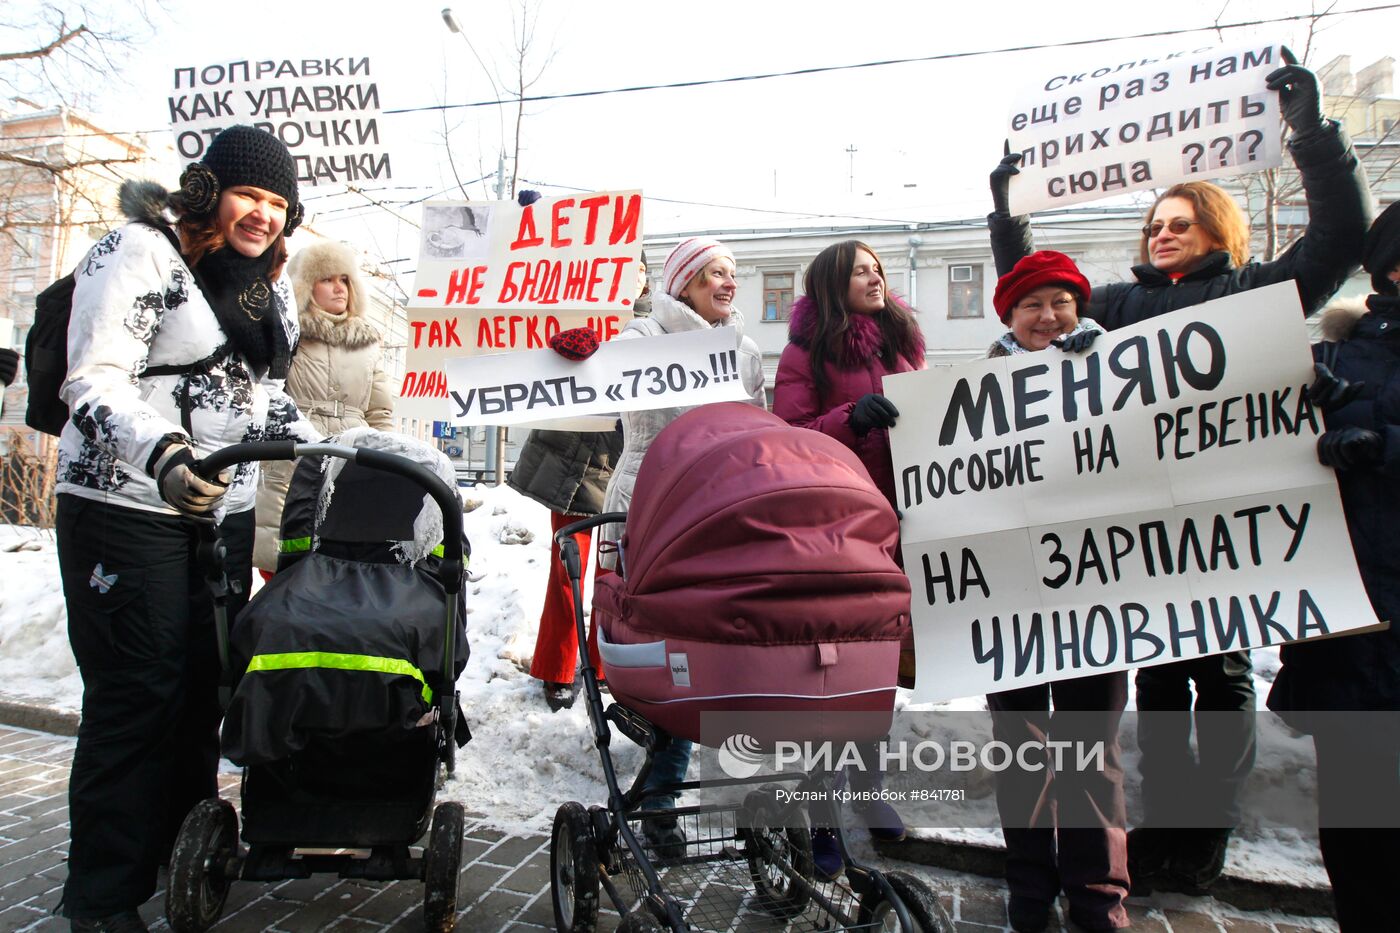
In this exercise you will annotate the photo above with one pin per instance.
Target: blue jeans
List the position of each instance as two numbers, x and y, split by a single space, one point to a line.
668 768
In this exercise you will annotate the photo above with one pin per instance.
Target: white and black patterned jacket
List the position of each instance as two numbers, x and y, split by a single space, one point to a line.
136 305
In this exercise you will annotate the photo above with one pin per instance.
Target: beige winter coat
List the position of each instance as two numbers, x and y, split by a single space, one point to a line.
336 378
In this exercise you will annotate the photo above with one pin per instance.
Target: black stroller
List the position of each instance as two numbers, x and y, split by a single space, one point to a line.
344 782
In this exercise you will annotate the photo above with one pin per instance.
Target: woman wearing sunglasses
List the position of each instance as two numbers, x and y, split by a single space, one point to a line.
1195 247
1195 238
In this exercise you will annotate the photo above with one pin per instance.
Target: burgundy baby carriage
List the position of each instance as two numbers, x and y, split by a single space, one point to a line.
757 579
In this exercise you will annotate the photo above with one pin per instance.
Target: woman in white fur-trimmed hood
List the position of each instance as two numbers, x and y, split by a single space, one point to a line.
337 376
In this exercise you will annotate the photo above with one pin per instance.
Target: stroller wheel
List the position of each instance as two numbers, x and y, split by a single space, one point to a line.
778 855
640 921
918 899
442 864
573 870
194 898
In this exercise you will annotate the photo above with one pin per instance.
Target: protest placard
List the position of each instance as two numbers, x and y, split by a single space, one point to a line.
1149 123
494 277
1154 499
665 371
326 111
577 252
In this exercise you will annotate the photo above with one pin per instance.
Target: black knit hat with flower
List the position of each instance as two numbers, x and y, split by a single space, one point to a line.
239 288
241 155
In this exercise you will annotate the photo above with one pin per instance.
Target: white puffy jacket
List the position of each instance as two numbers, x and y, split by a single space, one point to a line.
136 304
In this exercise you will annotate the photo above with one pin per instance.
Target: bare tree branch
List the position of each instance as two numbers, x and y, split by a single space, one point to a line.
63 39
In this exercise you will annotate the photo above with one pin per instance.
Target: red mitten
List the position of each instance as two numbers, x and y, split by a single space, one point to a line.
577 344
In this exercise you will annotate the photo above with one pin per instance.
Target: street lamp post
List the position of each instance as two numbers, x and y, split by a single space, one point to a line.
495 444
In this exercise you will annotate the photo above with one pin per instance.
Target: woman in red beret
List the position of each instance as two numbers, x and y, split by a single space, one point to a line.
1064 830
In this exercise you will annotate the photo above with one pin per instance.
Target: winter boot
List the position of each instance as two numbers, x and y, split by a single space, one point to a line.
1199 859
826 855
1027 914
128 921
663 835
1149 852
559 696
882 820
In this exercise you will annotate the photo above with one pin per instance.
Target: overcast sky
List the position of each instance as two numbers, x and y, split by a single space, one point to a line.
925 134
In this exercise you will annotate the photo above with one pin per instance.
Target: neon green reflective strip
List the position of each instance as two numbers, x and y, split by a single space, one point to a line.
441 550
294 545
339 662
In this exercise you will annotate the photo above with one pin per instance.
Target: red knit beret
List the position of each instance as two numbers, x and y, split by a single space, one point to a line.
1045 267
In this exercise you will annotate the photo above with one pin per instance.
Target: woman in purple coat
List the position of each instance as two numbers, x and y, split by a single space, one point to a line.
846 333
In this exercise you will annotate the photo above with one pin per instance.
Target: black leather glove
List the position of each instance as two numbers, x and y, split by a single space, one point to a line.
1001 182
1299 97
9 365
526 197
1330 391
1077 343
1350 448
872 411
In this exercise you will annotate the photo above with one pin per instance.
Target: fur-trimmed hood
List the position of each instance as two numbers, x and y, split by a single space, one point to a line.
324 260
862 340
144 201
1338 319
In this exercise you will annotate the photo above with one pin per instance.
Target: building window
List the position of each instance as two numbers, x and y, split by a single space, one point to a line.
777 295
965 291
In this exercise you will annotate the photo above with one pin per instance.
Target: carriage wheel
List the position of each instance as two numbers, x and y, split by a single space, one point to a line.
442 864
573 870
195 895
767 848
918 899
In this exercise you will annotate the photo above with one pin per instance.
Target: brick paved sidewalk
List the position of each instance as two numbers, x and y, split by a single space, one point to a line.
504 887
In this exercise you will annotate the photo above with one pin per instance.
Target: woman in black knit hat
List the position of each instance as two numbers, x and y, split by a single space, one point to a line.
1346 691
179 343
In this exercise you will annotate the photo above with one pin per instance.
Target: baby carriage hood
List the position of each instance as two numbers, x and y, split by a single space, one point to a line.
427 527
763 557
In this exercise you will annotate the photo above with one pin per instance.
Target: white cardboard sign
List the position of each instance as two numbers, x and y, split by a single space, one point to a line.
326 111
666 371
1192 115
1154 499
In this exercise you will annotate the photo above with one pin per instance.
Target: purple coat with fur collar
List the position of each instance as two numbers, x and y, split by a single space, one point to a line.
854 373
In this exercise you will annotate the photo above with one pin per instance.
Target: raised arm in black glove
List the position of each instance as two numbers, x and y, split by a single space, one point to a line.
1350 449
9 365
1001 182
1298 95
872 411
1330 391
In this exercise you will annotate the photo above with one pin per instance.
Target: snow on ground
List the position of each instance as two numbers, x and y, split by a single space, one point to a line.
524 760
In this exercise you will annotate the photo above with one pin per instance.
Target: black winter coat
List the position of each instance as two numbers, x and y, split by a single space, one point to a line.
1339 213
1360 672
568 471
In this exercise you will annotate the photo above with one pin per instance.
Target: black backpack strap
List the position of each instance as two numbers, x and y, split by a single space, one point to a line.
198 367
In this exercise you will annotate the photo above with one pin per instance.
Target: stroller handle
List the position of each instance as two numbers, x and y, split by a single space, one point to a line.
450 570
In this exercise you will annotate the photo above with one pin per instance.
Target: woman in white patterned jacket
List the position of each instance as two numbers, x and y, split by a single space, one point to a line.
178 345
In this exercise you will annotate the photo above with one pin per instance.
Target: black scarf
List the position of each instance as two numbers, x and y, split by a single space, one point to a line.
239 290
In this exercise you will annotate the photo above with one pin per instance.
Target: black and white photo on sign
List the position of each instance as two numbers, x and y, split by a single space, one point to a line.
456 231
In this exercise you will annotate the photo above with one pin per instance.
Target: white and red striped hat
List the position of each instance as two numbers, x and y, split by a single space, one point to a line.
687 259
